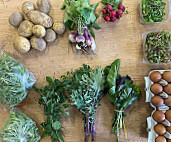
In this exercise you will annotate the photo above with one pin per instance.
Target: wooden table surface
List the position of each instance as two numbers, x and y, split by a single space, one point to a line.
122 39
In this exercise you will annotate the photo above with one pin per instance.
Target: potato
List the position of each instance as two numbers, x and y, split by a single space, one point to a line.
50 35
22 44
40 18
27 6
59 28
43 6
25 28
16 19
38 43
39 31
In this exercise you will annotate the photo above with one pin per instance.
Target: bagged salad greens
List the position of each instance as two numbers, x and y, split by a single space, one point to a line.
19 128
15 80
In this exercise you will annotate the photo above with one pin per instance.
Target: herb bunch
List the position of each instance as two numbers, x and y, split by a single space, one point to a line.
15 81
153 10
122 93
19 128
157 47
54 100
86 89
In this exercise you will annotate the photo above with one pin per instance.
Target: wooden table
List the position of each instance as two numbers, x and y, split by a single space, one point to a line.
122 39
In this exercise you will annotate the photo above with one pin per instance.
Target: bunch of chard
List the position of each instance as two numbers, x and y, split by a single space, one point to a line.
83 42
80 17
122 93
114 10
86 88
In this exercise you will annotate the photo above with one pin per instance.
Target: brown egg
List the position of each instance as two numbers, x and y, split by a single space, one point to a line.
155 76
168 101
168 115
157 101
167 76
168 129
167 89
158 116
156 88
160 129
161 139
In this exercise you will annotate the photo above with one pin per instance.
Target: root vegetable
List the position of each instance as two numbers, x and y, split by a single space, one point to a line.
80 38
39 31
72 37
25 28
16 19
22 44
59 28
43 6
50 35
40 18
27 6
38 43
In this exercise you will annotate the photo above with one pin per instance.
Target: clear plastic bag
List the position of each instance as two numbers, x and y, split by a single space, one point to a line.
19 128
15 81
165 18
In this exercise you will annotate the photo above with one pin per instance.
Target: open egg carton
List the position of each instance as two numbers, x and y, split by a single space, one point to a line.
158 94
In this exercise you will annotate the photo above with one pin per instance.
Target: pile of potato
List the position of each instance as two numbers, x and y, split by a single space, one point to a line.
35 27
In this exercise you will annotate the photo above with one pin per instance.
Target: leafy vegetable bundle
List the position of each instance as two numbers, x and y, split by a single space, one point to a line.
15 81
157 47
19 128
80 16
53 98
153 10
86 88
122 93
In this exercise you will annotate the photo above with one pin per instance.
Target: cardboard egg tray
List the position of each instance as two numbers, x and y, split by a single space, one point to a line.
150 121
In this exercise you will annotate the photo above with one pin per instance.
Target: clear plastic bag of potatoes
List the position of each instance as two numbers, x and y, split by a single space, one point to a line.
19 128
15 81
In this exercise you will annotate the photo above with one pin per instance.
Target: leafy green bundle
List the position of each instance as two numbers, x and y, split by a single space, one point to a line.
15 81
53 98
81 14
19 128
153 10
86 88
122 93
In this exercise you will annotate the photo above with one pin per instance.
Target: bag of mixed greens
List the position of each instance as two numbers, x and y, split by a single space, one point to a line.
19 128
15 80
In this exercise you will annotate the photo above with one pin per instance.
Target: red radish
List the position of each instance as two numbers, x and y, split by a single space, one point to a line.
121 7
113 13
104 11
107 18
112 19
119 14
109 7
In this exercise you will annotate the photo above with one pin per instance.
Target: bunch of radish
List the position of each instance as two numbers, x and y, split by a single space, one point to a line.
83 42
110 13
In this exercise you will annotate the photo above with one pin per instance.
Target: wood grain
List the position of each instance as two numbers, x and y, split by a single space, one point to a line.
122 39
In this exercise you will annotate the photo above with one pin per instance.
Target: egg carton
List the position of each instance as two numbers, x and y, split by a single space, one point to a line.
149 94
150 121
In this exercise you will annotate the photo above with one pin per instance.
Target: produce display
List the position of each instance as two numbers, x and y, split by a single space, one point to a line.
122 93
80 18
157 47
19 128
154 11
114 10
35 27
158 93
15 81
53 98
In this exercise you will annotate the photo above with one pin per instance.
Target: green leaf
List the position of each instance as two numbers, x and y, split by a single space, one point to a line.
91 32
49 79
94 6
113 73
96 26
56 125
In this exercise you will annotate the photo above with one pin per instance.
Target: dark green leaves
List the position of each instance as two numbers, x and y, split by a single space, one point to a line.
153 10
53 98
